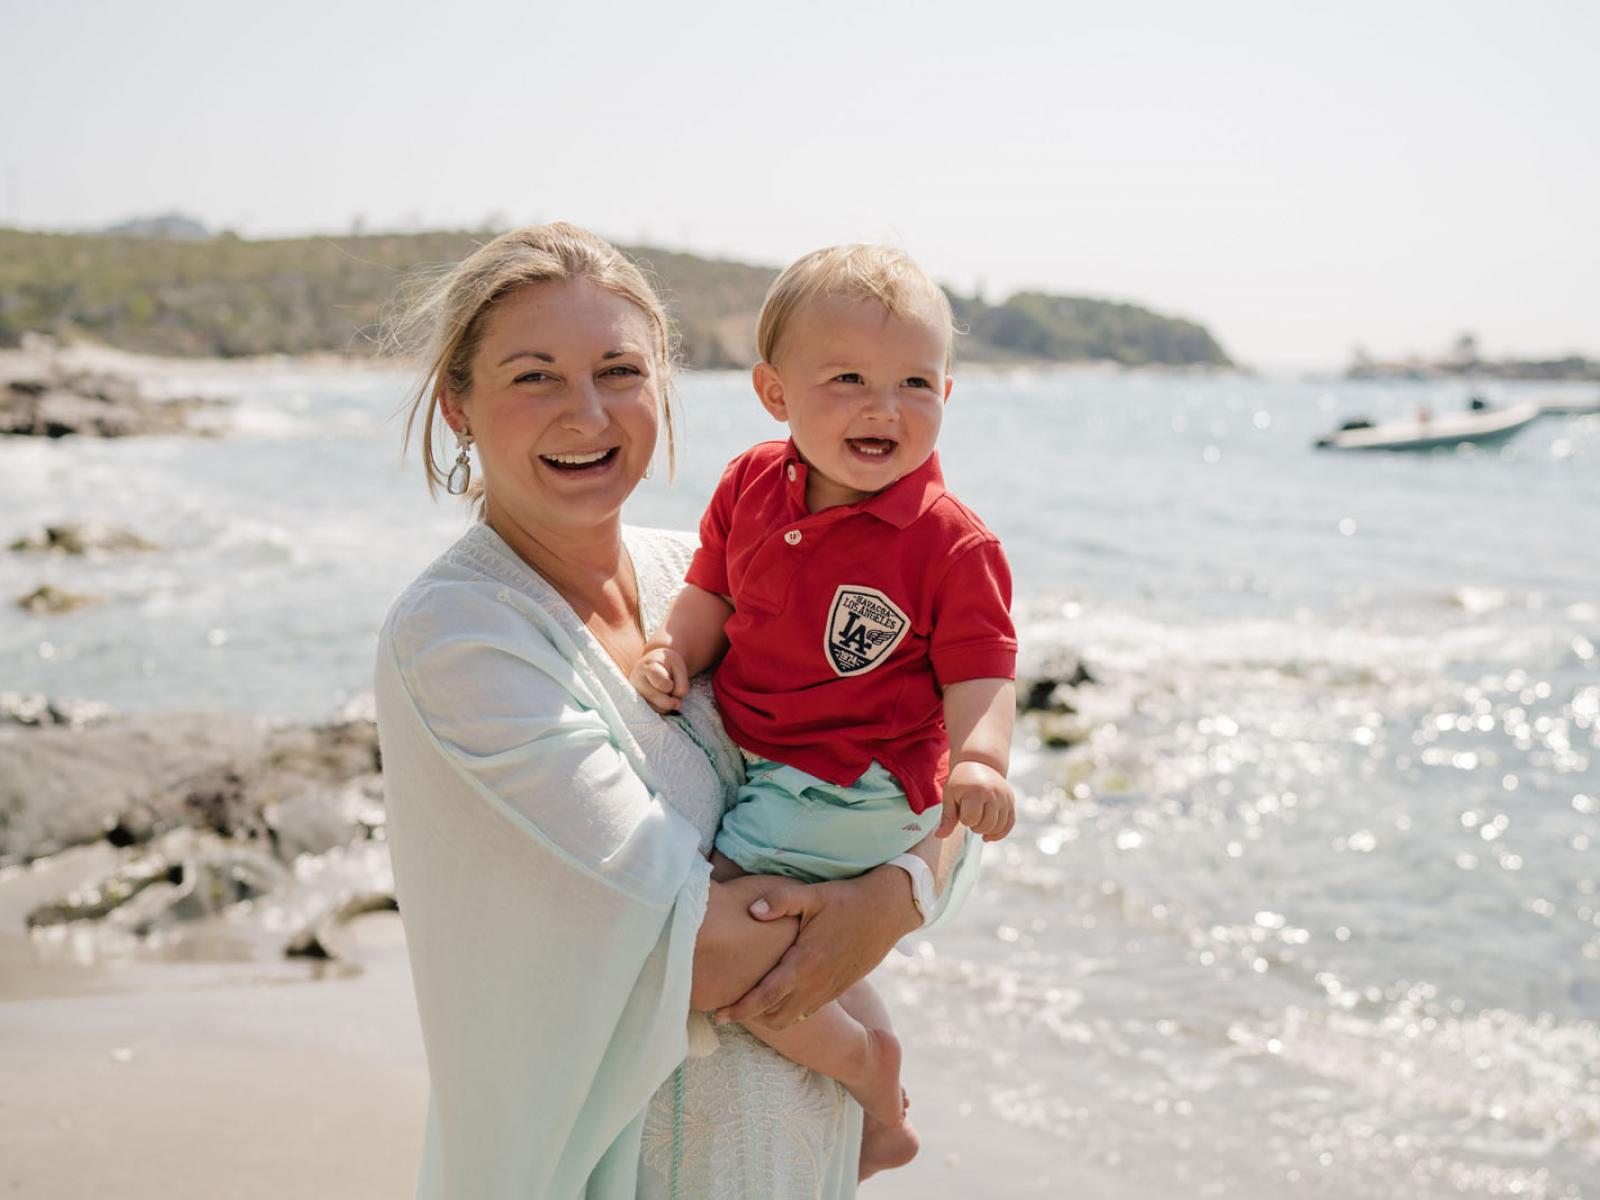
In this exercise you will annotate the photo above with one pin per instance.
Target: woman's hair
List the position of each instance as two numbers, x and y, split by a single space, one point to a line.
854 272
443 326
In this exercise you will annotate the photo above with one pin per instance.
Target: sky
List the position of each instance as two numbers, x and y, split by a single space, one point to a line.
1301 178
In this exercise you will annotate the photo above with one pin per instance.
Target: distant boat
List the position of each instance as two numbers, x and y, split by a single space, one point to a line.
1480 426
1569 408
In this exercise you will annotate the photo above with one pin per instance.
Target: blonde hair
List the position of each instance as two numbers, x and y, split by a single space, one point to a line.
859 271
443 326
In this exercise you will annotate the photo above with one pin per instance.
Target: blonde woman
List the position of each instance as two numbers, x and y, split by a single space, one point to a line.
549 829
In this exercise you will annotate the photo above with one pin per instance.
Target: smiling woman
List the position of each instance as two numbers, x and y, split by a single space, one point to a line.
549 830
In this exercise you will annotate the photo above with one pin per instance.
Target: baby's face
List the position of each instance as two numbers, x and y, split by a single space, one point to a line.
863 391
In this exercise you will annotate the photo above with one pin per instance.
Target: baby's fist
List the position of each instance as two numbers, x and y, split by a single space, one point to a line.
978 796
661 677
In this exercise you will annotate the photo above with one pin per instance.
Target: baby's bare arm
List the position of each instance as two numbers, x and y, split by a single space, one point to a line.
689 641
978 713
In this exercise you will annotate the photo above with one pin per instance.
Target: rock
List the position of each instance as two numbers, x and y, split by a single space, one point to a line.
32 709
62 786
315 940
82 538
132 779
208 812
314 822
49 600
60 403
185 875
1047 702
1047 693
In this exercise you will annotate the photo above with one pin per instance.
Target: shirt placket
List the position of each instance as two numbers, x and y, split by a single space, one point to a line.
770 579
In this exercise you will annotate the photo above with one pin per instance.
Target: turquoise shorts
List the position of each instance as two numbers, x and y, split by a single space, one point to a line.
788 822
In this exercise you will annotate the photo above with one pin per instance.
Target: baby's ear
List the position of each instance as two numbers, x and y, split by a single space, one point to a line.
769 388
949 382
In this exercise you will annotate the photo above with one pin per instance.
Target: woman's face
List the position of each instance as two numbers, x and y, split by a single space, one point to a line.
563 406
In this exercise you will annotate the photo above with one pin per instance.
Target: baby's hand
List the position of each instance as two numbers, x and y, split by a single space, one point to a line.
661 677
978 796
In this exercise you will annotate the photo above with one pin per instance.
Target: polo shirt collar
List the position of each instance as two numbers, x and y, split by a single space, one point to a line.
899 504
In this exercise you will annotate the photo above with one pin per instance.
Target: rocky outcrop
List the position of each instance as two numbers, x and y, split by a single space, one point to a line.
1047 702
82 539
52 402
47 600
209 812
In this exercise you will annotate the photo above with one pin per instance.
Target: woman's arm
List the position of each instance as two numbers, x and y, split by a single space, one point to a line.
844 930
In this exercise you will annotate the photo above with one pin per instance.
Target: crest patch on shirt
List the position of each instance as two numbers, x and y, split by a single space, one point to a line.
864 627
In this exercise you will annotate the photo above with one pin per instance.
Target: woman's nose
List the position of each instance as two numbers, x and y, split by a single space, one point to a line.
587 409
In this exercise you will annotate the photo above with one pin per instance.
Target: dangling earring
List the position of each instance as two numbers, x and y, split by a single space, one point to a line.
460 477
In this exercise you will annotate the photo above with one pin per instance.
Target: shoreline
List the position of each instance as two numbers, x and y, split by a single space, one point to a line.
192 1083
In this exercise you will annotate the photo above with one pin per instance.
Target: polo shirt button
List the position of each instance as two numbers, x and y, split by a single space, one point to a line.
794 535
792 472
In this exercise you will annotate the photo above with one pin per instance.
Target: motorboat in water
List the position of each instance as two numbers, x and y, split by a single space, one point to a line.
1479 426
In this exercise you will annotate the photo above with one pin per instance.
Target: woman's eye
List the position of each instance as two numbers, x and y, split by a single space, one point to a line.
621 369
532 377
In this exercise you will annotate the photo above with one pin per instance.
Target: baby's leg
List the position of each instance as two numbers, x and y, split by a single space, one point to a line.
864 1057
724 868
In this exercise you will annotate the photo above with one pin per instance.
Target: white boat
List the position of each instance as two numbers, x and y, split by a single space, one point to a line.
1481 427
1569 408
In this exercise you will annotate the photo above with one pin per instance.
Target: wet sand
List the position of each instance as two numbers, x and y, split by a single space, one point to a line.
153 1082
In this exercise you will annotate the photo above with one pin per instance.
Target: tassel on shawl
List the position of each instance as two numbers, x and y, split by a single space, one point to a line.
703 1040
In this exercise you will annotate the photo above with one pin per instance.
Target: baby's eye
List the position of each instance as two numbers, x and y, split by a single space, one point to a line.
848 377
917 381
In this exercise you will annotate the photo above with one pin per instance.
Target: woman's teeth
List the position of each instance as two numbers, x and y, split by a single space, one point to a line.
578 460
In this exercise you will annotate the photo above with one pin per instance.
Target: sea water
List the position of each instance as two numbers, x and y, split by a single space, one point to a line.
1310 910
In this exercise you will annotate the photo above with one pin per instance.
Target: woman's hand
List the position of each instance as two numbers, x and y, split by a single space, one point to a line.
846 928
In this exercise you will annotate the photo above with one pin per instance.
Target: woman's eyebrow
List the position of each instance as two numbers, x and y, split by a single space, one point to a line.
539 354
621 352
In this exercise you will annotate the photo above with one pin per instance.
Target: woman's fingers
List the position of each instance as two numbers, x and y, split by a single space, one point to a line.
782 900
781 998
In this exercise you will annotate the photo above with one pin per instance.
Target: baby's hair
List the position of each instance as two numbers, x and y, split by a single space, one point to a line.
854 272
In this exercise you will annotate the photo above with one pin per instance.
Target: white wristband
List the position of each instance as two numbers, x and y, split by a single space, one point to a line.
922 894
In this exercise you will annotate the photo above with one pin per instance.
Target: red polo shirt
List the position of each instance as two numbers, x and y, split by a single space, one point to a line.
849 622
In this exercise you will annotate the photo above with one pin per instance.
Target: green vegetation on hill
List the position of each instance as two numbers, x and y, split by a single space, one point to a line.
228 296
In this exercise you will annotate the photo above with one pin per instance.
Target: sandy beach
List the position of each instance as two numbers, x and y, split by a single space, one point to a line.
156 1083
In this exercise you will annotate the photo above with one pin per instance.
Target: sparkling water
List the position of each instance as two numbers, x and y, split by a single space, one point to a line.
1310 910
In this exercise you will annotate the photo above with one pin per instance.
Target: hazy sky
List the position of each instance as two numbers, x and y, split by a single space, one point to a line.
1300 177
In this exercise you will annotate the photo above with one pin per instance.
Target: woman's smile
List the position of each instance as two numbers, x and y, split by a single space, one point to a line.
581 462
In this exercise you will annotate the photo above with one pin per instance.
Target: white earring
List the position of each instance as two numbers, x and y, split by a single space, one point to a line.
460 477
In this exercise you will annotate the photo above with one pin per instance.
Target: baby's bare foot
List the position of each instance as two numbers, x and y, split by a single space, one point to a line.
884 1147
878 1090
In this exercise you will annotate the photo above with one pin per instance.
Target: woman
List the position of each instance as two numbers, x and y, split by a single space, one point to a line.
549 830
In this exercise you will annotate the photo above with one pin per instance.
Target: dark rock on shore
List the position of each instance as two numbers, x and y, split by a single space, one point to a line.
80 539
208 811
47 600
1047 702
54 402
35 710
135 778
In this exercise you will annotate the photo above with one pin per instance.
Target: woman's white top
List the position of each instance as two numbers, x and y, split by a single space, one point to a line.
549 833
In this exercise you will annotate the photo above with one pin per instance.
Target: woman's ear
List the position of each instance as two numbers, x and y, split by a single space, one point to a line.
450 408
769 389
